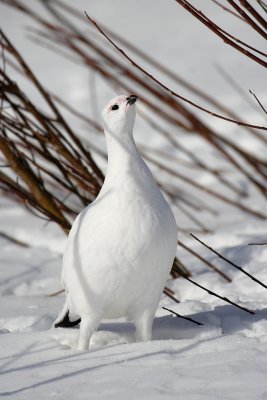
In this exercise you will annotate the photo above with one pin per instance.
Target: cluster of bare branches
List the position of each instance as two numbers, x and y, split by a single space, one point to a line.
244 11
50 169
90 49
43 160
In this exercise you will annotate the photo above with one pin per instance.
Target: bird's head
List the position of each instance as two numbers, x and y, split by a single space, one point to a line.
119 115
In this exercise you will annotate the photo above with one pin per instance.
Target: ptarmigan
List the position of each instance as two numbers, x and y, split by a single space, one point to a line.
121 247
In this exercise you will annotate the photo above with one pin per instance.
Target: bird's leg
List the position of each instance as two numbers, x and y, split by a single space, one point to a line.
87 327
143 325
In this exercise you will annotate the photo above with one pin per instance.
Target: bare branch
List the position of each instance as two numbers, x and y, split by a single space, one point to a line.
181 316
209 264
167 88
258 101
230 262
215 294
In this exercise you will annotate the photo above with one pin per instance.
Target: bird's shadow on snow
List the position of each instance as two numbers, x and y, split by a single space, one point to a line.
223 320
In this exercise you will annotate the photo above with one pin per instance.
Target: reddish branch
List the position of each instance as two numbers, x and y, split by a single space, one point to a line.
73 158
254 13
42 151
228 10
13 240
153 62
207 190
67 38
168 292
167 88
197 125
261 187
225 36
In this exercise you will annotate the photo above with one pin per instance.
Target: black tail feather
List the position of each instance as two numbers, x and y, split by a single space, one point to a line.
66 323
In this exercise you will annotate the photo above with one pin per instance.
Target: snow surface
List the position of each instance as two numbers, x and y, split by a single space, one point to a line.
223 359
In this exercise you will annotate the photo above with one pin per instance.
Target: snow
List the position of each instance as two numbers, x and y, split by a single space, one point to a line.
226 357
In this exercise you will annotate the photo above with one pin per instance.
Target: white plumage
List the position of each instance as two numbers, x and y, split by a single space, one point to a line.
121 247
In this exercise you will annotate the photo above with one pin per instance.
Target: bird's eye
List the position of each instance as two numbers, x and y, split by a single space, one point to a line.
115 107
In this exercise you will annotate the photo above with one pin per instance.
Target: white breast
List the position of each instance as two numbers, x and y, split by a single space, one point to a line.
117 246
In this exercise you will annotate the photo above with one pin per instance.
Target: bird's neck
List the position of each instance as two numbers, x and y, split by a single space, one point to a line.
123 157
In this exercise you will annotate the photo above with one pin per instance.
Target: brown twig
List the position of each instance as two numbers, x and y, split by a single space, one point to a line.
13 240
23 170
173 112
229 10
254 13
225 36
208 191
262 5
196 125
169 293
167 88
179 269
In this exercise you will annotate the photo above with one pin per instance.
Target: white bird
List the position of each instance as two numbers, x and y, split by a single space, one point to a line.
121 247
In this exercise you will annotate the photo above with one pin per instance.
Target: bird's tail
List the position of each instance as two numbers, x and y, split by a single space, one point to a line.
65 320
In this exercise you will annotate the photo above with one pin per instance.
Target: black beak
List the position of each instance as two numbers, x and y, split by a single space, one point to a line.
131 99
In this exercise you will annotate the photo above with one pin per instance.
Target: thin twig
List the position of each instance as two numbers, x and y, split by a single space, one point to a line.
257 244
180 265
182 316
195 123
230 262
216 269
207 190
167 88
258 101
13 240
229 10
219 297
262 5
225 36
56 293
254 13
168 293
